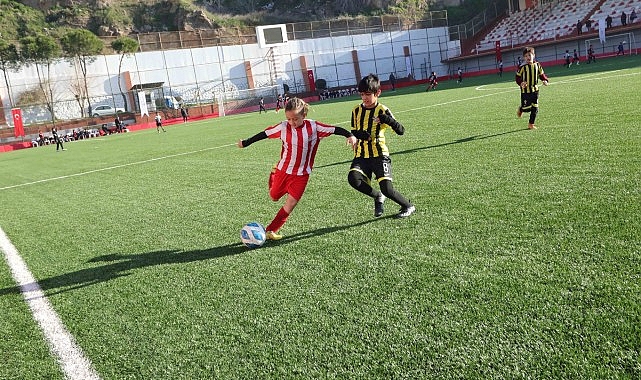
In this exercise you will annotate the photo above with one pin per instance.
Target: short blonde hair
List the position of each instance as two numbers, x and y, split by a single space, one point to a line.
297 105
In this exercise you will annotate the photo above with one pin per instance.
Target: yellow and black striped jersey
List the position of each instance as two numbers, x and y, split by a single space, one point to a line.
363 120
530 73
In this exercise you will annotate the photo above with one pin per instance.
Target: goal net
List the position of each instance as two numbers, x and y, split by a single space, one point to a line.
233 101
611 45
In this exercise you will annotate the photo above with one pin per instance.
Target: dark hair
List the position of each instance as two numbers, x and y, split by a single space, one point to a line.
529 50
370 83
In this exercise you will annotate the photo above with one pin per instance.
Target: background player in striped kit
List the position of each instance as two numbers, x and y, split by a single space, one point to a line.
300 138
370 119
527 77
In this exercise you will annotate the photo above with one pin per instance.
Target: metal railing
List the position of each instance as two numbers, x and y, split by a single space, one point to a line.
295 31
477 23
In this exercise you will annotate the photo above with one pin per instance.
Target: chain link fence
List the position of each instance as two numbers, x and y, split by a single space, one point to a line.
295 31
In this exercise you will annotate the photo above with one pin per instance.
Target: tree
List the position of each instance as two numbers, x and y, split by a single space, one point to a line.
412 10
9 60
78 91
42 50
82 47
124 46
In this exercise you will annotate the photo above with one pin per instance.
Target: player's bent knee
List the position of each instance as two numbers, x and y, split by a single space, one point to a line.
274 196
354 178
386 187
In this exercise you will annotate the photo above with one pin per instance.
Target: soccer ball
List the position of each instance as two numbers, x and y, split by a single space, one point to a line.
253 235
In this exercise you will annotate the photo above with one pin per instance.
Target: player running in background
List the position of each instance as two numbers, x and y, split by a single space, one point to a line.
159 126
300 138
432 82
370 119
279 102
575 57
527 77
568 58
591 57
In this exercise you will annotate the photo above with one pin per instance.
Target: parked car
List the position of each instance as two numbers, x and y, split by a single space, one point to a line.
105 110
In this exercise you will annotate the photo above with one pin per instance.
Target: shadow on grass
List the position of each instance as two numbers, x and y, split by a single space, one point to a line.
119 265
458 141
322 231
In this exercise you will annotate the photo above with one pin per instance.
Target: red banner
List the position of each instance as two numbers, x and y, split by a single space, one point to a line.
497 50
18 128
310 78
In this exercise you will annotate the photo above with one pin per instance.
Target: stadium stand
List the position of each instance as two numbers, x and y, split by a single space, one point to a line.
614 9
563 21
552 21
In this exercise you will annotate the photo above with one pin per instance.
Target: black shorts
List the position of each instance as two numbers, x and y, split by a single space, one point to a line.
529 100
380 167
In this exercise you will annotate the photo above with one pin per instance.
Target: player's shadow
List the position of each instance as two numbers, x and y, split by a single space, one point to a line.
119 265
322 231
113 266
458 141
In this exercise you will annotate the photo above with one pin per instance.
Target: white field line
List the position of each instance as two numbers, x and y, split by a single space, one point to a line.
74 364
223 146
62 344
113 167
503 90
591 78
583 78
442 104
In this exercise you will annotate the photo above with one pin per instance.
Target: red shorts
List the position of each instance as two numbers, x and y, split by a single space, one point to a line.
282 183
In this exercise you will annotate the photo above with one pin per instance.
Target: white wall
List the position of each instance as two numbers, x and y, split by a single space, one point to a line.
202 73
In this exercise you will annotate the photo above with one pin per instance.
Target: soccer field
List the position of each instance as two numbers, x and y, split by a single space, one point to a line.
523 260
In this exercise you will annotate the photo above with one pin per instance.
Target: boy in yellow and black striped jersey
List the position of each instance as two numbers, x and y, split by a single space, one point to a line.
369 121
527 77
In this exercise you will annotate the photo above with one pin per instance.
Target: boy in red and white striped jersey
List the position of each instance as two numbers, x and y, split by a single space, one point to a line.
300 138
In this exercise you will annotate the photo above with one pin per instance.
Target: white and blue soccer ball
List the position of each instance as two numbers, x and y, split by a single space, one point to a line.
253 235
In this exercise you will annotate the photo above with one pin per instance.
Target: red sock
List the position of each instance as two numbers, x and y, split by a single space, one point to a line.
278 221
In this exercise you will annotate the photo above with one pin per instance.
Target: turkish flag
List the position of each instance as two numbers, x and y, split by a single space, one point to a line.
18 128
310 78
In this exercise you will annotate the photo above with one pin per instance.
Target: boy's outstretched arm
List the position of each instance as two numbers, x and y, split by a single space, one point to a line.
389 120
351 139
257 137
361 135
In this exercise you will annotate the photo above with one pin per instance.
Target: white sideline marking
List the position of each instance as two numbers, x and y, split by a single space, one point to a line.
113 167
594 77
437 104
502 90
583 78
456 101
220 146
61 343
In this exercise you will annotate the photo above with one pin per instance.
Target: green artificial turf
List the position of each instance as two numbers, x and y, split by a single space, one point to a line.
523 260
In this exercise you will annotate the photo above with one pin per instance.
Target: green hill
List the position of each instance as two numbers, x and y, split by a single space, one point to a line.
113 18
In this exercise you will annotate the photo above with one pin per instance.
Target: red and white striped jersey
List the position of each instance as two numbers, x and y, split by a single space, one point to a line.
299 144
